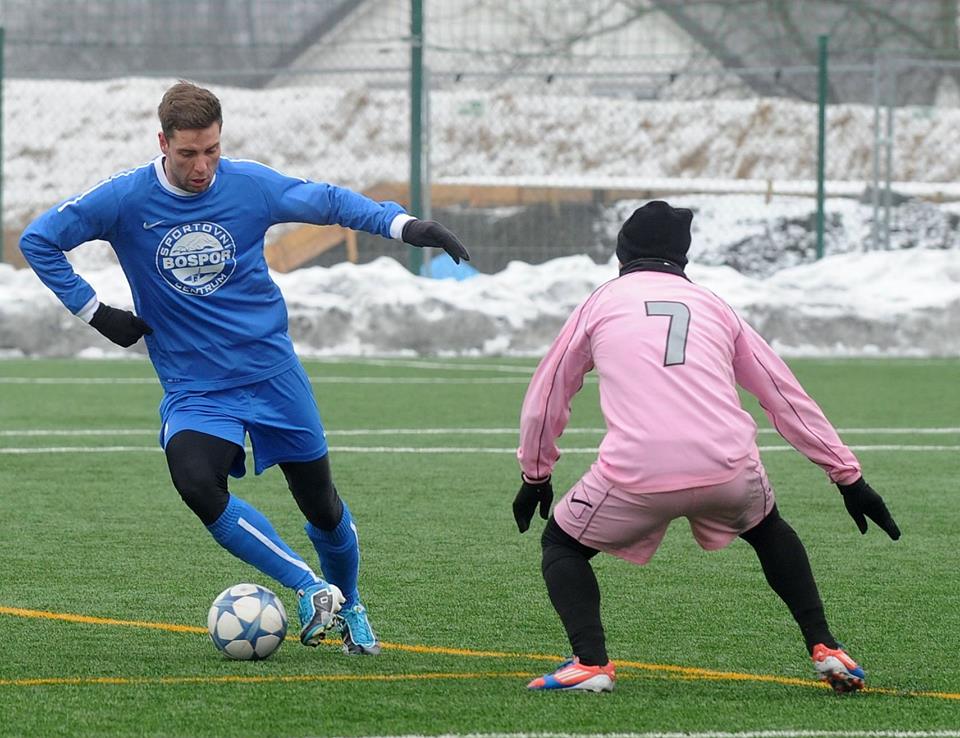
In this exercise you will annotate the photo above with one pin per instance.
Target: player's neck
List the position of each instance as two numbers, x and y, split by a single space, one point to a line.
653 265
169 184
166 173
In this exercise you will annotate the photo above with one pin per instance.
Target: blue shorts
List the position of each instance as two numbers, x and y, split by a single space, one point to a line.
280 414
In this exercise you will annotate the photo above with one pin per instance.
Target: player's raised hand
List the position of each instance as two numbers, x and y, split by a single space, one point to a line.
532 493
863 502
423 233
120 326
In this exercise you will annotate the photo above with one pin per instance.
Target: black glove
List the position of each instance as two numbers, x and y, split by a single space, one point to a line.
863 502
423 233
120 326
527 498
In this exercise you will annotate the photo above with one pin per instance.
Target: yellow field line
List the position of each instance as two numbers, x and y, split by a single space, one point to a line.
71 618
273 678
681 672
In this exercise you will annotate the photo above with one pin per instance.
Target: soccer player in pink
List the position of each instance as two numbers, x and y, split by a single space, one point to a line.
669 355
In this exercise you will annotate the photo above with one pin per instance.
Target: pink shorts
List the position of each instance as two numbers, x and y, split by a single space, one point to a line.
631 525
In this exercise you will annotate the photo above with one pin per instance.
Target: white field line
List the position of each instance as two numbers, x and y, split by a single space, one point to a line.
431 449
26 432
414 364
314 380
369 361
713 734
79 380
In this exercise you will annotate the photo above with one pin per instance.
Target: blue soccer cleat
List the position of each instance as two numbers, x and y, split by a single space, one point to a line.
835 667
318 607
358 636
572 675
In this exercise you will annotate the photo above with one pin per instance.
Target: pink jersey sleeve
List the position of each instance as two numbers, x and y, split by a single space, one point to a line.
546 406
796 417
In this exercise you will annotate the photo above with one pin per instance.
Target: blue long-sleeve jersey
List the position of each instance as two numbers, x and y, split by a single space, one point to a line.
195 262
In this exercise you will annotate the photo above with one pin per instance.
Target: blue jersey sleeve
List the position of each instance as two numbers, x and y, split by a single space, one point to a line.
295 200
89 216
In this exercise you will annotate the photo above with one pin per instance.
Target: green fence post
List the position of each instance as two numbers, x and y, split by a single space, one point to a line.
821 137
2 73
415 255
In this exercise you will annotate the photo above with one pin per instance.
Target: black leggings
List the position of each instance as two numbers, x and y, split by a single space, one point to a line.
784 561
574 592
573 589
200 464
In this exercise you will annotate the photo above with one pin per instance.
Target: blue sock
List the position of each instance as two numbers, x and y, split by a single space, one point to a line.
248 535
339 552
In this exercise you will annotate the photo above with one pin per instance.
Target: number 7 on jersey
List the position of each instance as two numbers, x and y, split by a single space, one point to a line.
679 315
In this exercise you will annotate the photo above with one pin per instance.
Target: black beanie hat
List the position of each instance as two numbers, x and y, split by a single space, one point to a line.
656 231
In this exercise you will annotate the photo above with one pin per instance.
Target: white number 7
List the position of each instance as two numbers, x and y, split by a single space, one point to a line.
679 315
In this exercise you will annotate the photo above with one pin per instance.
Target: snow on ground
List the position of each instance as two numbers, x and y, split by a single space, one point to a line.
894 303
57 143
904 301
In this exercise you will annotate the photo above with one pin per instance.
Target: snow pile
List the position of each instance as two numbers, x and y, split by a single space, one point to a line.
896 303
358 137
759 255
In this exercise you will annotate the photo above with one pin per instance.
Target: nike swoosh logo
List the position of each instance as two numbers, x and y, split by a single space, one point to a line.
148 226
573 498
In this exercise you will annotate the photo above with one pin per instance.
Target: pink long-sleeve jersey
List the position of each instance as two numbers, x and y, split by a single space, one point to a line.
669 355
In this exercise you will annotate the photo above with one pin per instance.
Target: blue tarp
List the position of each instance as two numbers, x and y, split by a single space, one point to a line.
443 267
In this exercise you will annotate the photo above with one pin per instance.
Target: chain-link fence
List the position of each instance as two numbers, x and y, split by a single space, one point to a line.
544 122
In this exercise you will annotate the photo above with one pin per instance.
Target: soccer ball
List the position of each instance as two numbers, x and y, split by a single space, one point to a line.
247 622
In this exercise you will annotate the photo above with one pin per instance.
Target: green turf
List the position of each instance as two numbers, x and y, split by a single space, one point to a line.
104 535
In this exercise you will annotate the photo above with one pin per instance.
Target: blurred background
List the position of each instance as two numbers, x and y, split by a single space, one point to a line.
530 127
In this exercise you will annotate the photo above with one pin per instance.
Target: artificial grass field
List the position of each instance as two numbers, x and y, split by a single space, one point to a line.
106 577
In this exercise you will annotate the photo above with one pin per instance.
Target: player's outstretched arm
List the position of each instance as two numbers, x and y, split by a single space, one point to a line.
863 502
120 326
424 233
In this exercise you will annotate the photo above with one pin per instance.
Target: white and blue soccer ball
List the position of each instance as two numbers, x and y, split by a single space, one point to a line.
247 622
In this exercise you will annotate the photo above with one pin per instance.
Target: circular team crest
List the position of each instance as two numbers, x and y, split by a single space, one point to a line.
197 258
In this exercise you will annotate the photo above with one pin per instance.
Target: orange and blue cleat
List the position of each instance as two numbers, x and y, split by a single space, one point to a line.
835 667
572 675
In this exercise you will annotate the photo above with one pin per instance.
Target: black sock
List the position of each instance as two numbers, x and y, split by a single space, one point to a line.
574 592
787 569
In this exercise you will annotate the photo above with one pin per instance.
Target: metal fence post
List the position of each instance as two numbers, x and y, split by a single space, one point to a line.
2 75
415 255
878 69
821 137
426 190
888 153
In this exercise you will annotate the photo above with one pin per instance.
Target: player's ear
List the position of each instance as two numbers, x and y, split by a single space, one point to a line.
164 144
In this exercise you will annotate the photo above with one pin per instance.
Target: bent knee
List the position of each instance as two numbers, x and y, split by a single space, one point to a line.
205 494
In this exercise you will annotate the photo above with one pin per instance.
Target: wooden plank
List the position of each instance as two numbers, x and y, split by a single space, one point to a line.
352 253
304 243
301 245
11 248
297 247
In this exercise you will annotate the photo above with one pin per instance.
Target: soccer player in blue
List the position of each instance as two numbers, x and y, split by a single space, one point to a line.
188 230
